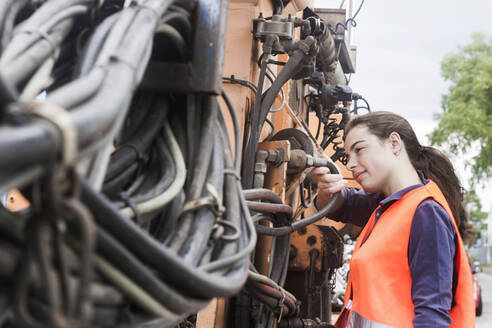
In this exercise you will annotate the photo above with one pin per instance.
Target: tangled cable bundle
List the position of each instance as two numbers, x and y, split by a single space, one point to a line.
137 216
112 131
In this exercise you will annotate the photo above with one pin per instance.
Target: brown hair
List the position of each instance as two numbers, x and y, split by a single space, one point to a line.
432 162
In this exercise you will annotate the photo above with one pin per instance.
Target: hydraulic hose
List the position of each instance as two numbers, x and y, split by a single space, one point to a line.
98 114
7 96
290 69
262 194
135 270
9 9
94 46
266 100
160 258
129 151
205 220
279 231
165 197
165 263
327 54
42 20
200 169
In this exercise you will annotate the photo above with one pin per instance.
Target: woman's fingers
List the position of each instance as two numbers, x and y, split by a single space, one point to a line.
330 178
327 182
321 170
323 174
331 187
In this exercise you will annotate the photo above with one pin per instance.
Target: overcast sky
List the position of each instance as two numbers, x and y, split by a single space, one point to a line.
400 45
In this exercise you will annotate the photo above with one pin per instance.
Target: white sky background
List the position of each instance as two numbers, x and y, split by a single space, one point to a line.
400 45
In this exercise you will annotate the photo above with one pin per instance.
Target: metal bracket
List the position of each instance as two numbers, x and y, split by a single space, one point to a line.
203 73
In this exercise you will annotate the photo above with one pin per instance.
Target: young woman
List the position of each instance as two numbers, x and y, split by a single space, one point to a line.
409 267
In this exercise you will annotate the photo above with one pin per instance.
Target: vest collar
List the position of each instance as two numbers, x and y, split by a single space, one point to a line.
386 202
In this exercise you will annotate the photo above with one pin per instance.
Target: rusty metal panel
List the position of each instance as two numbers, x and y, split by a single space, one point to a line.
304 241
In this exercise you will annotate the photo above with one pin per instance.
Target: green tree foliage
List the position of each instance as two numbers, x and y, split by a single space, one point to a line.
476 215
466 119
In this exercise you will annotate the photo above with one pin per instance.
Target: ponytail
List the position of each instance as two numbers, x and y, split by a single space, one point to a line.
437 167
432 162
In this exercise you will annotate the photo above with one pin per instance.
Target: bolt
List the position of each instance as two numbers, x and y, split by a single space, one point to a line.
293 252
311 240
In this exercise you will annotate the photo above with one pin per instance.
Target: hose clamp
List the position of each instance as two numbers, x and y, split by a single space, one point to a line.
213 201
62 119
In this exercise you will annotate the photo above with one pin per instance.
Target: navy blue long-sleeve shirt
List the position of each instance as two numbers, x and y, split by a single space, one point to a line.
431 251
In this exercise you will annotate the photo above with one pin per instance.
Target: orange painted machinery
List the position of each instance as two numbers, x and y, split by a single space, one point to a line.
156 159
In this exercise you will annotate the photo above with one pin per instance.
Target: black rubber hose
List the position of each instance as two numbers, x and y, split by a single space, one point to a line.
36 22
180 21
263 289
166 262
130 151
268 299
167 174
251 141
77 92
9 9
203 225
279 258
279 231
10 255
141 105
327 54
262 194
289 70
95 117
149 172
27 145
278 7
8 95
94 45
260 115
122 259
11 226
23 66
116 185
237 131
232 213
199 170
190 137
269 208
163 229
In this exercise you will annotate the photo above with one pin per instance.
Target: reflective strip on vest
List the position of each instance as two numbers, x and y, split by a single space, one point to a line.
358 321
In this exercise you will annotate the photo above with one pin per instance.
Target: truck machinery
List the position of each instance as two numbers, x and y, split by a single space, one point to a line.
156 157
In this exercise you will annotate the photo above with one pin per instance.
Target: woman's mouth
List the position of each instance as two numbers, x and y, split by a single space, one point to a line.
358 175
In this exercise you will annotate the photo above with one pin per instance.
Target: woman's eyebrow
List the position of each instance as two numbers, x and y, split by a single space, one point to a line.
355 143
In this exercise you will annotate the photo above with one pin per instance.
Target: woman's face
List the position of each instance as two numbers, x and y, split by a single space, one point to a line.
371 160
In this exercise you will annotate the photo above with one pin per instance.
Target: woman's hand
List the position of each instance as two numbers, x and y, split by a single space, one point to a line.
328 184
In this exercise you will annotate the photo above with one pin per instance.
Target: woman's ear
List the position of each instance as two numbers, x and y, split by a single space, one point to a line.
395 142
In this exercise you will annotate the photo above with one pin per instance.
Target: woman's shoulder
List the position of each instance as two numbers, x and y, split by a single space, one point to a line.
430 214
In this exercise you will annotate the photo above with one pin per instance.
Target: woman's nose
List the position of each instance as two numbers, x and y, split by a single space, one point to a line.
351 164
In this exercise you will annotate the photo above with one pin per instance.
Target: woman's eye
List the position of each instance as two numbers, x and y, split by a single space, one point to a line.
358 149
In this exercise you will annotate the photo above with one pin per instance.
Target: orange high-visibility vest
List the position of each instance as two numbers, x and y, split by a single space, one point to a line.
379 288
